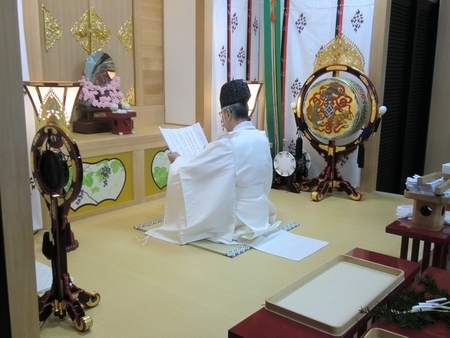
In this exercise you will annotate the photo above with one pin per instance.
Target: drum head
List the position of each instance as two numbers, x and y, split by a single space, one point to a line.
53 170
284 164
335 108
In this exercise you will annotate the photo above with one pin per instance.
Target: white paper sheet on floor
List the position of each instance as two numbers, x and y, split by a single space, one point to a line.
285 244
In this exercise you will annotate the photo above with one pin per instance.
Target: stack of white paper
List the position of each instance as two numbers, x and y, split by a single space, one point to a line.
424 188
446 168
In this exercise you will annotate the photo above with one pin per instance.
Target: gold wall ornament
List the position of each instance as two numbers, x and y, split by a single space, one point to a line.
129 97
52 29
91 32
125 35
340 50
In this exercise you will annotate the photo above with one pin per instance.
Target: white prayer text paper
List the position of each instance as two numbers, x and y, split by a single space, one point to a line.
186 141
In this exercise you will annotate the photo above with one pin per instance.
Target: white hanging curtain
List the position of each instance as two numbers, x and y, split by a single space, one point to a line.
234 45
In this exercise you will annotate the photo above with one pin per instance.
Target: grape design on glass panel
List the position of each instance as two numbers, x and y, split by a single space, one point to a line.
106 171
103 180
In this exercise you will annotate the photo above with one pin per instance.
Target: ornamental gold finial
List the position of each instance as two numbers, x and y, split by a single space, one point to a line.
340 50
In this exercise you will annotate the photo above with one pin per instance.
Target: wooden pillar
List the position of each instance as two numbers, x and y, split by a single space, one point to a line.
18 243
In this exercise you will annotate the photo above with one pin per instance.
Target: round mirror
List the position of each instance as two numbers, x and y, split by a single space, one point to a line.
99 68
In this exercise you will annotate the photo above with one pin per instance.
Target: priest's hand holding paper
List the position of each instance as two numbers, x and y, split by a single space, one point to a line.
172 156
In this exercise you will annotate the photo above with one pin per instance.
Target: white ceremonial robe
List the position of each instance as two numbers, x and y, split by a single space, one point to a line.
222 194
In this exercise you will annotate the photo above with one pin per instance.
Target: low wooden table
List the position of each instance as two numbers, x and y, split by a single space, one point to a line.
437 330
441 240
266 324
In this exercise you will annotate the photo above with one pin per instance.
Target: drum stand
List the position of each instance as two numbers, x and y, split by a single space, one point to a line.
57 168
63 297
330 177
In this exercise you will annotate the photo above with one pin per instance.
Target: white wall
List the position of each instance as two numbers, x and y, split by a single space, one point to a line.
179 61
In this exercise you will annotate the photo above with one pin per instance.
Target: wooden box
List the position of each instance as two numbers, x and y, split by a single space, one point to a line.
90 120
121 123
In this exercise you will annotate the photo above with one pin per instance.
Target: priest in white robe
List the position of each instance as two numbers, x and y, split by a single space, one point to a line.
222 194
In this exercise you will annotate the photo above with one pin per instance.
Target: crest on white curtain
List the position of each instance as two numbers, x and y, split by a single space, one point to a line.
236 49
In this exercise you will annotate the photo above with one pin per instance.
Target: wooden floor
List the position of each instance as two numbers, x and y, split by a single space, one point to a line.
165 290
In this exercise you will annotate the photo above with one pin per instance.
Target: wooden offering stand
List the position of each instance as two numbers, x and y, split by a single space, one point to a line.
121 123
429 211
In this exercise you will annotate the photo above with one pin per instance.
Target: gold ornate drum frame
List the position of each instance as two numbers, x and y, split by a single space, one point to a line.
332 109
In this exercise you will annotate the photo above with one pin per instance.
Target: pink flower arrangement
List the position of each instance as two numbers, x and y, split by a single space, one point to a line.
101 96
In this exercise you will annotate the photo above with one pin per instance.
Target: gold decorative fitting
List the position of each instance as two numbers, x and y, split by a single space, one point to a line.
52 109
53 102
129 97
338 68
125 35
340 50
52 29
91 32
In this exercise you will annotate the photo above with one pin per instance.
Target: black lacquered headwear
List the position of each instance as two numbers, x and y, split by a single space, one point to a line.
234 91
